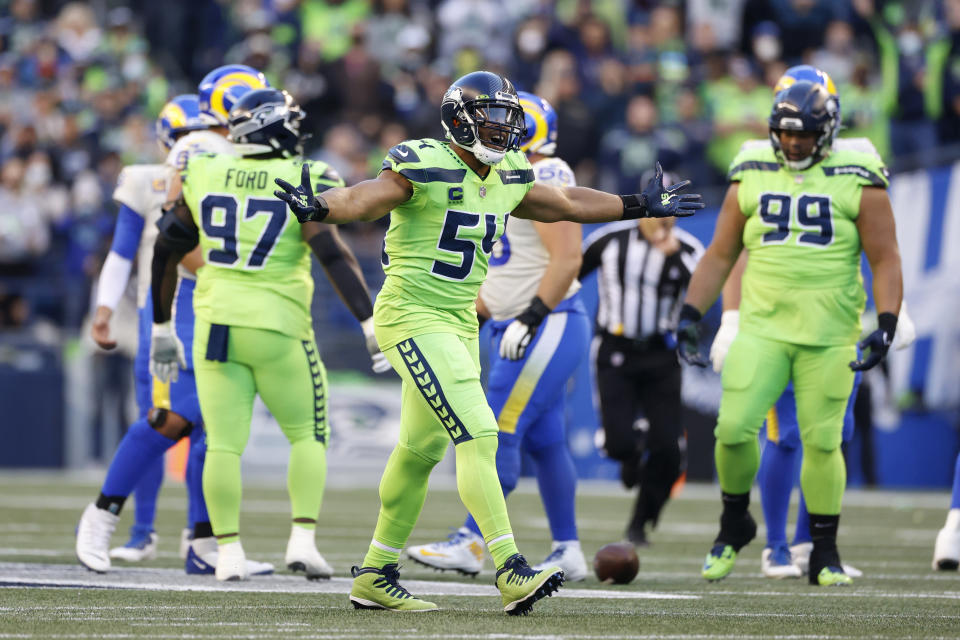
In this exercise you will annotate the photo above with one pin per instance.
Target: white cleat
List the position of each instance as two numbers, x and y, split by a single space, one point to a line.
203 556
801 558
778 563
302 555
946 550
139 548
231 562
186 536
569 557
93 538
462 551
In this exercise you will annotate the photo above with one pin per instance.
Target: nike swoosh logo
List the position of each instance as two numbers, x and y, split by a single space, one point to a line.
403 153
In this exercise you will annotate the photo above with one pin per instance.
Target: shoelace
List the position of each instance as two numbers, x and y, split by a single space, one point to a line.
390 576
455 538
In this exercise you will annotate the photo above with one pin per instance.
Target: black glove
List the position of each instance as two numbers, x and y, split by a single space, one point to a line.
688 336
657 201
879 343
519 333
306 206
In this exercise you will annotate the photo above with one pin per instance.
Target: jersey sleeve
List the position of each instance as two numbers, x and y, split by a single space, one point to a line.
554 172
868 169
324 177
418 162
138 185
754 155
195 143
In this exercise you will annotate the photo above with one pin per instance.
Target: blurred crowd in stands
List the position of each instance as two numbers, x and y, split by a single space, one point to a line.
683 82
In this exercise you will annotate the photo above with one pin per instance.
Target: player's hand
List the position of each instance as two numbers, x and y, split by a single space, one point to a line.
729 323
657 201
100 329
519 333
906 333
688 336
380 362
167 355
878 342
304 204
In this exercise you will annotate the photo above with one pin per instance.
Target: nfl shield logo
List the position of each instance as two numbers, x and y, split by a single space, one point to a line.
483 191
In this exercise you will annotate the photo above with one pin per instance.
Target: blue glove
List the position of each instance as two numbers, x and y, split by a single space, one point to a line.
688 336
657 201
879 343
306 206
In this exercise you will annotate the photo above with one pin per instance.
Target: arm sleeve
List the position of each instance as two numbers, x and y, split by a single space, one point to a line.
113 280
344 273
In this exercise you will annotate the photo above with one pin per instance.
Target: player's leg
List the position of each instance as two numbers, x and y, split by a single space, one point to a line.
226 390
946 550
292 381
754 375
822 382
659 393
616 392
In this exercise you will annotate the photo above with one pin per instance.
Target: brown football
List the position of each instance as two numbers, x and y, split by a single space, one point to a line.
616 563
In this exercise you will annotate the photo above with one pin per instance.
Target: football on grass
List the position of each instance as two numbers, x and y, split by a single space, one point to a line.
616 563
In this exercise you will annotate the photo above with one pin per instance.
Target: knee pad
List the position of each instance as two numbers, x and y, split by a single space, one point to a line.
164 421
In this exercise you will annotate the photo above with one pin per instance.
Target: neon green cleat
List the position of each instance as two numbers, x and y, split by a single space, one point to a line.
380 589
719 562
833 577
522 586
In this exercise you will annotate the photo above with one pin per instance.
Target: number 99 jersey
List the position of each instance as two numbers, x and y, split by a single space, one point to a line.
803 284
256 270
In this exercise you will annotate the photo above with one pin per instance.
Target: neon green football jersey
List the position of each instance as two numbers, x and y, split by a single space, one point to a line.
437 247
803 284
256 270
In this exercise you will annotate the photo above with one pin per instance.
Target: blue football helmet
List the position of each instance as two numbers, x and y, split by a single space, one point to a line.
178 116
266 121
221 88
804 106
810 74
481 113
541 123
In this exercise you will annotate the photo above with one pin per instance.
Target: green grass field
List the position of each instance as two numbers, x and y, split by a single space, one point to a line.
45 594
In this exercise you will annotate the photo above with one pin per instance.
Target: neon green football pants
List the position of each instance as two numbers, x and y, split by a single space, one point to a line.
442 401
292 382
755 373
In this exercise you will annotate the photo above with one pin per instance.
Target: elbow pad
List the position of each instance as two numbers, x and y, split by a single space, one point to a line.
175 234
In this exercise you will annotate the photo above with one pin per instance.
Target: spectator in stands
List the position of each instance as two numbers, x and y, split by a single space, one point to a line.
629 150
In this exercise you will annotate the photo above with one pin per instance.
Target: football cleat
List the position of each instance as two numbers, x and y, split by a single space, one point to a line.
231 562
719 562
777 563
569 557
833 577
203 554
946 550
800 553
522 586
93 538
142 545
462 551
302 555
186 537
380 589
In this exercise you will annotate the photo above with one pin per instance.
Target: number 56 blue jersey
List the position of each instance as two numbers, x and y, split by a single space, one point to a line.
802 283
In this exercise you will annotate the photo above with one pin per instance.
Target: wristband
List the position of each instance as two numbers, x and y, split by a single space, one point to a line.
634 207
535 313
888 323
690 312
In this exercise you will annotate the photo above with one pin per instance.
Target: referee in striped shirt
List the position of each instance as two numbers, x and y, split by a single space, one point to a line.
644 268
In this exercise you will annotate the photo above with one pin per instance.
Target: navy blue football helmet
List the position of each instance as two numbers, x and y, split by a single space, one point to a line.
481 113
804 106
266 121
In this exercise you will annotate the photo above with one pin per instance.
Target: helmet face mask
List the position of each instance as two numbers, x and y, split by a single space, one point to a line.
481 113
266 122
804 107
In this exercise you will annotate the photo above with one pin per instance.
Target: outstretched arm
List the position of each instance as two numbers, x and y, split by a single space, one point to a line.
367 200
581 204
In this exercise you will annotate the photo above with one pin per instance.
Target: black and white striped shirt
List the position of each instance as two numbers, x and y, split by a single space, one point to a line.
640 288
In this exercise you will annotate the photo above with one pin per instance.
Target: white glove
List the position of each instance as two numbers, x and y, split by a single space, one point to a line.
906 333
380 362
516 338
167 355
729 323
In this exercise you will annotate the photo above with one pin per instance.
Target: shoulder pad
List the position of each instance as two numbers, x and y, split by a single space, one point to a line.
139 185
754 155
422 161
867 168
325 176
863 145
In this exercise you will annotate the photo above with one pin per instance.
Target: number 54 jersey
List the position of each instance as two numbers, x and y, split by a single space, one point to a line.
437 248
256 270
803 284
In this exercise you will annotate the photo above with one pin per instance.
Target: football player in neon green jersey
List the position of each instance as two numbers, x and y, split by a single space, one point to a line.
804 211
450 202
253 331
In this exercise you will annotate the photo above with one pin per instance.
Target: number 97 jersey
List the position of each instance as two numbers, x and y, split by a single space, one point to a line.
803 284
256 270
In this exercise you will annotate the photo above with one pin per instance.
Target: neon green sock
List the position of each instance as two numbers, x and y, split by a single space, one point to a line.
737 465
222 489
480 492
306 479
823 478
403 488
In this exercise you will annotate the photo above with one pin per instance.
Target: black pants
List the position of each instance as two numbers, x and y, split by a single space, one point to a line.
642 378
